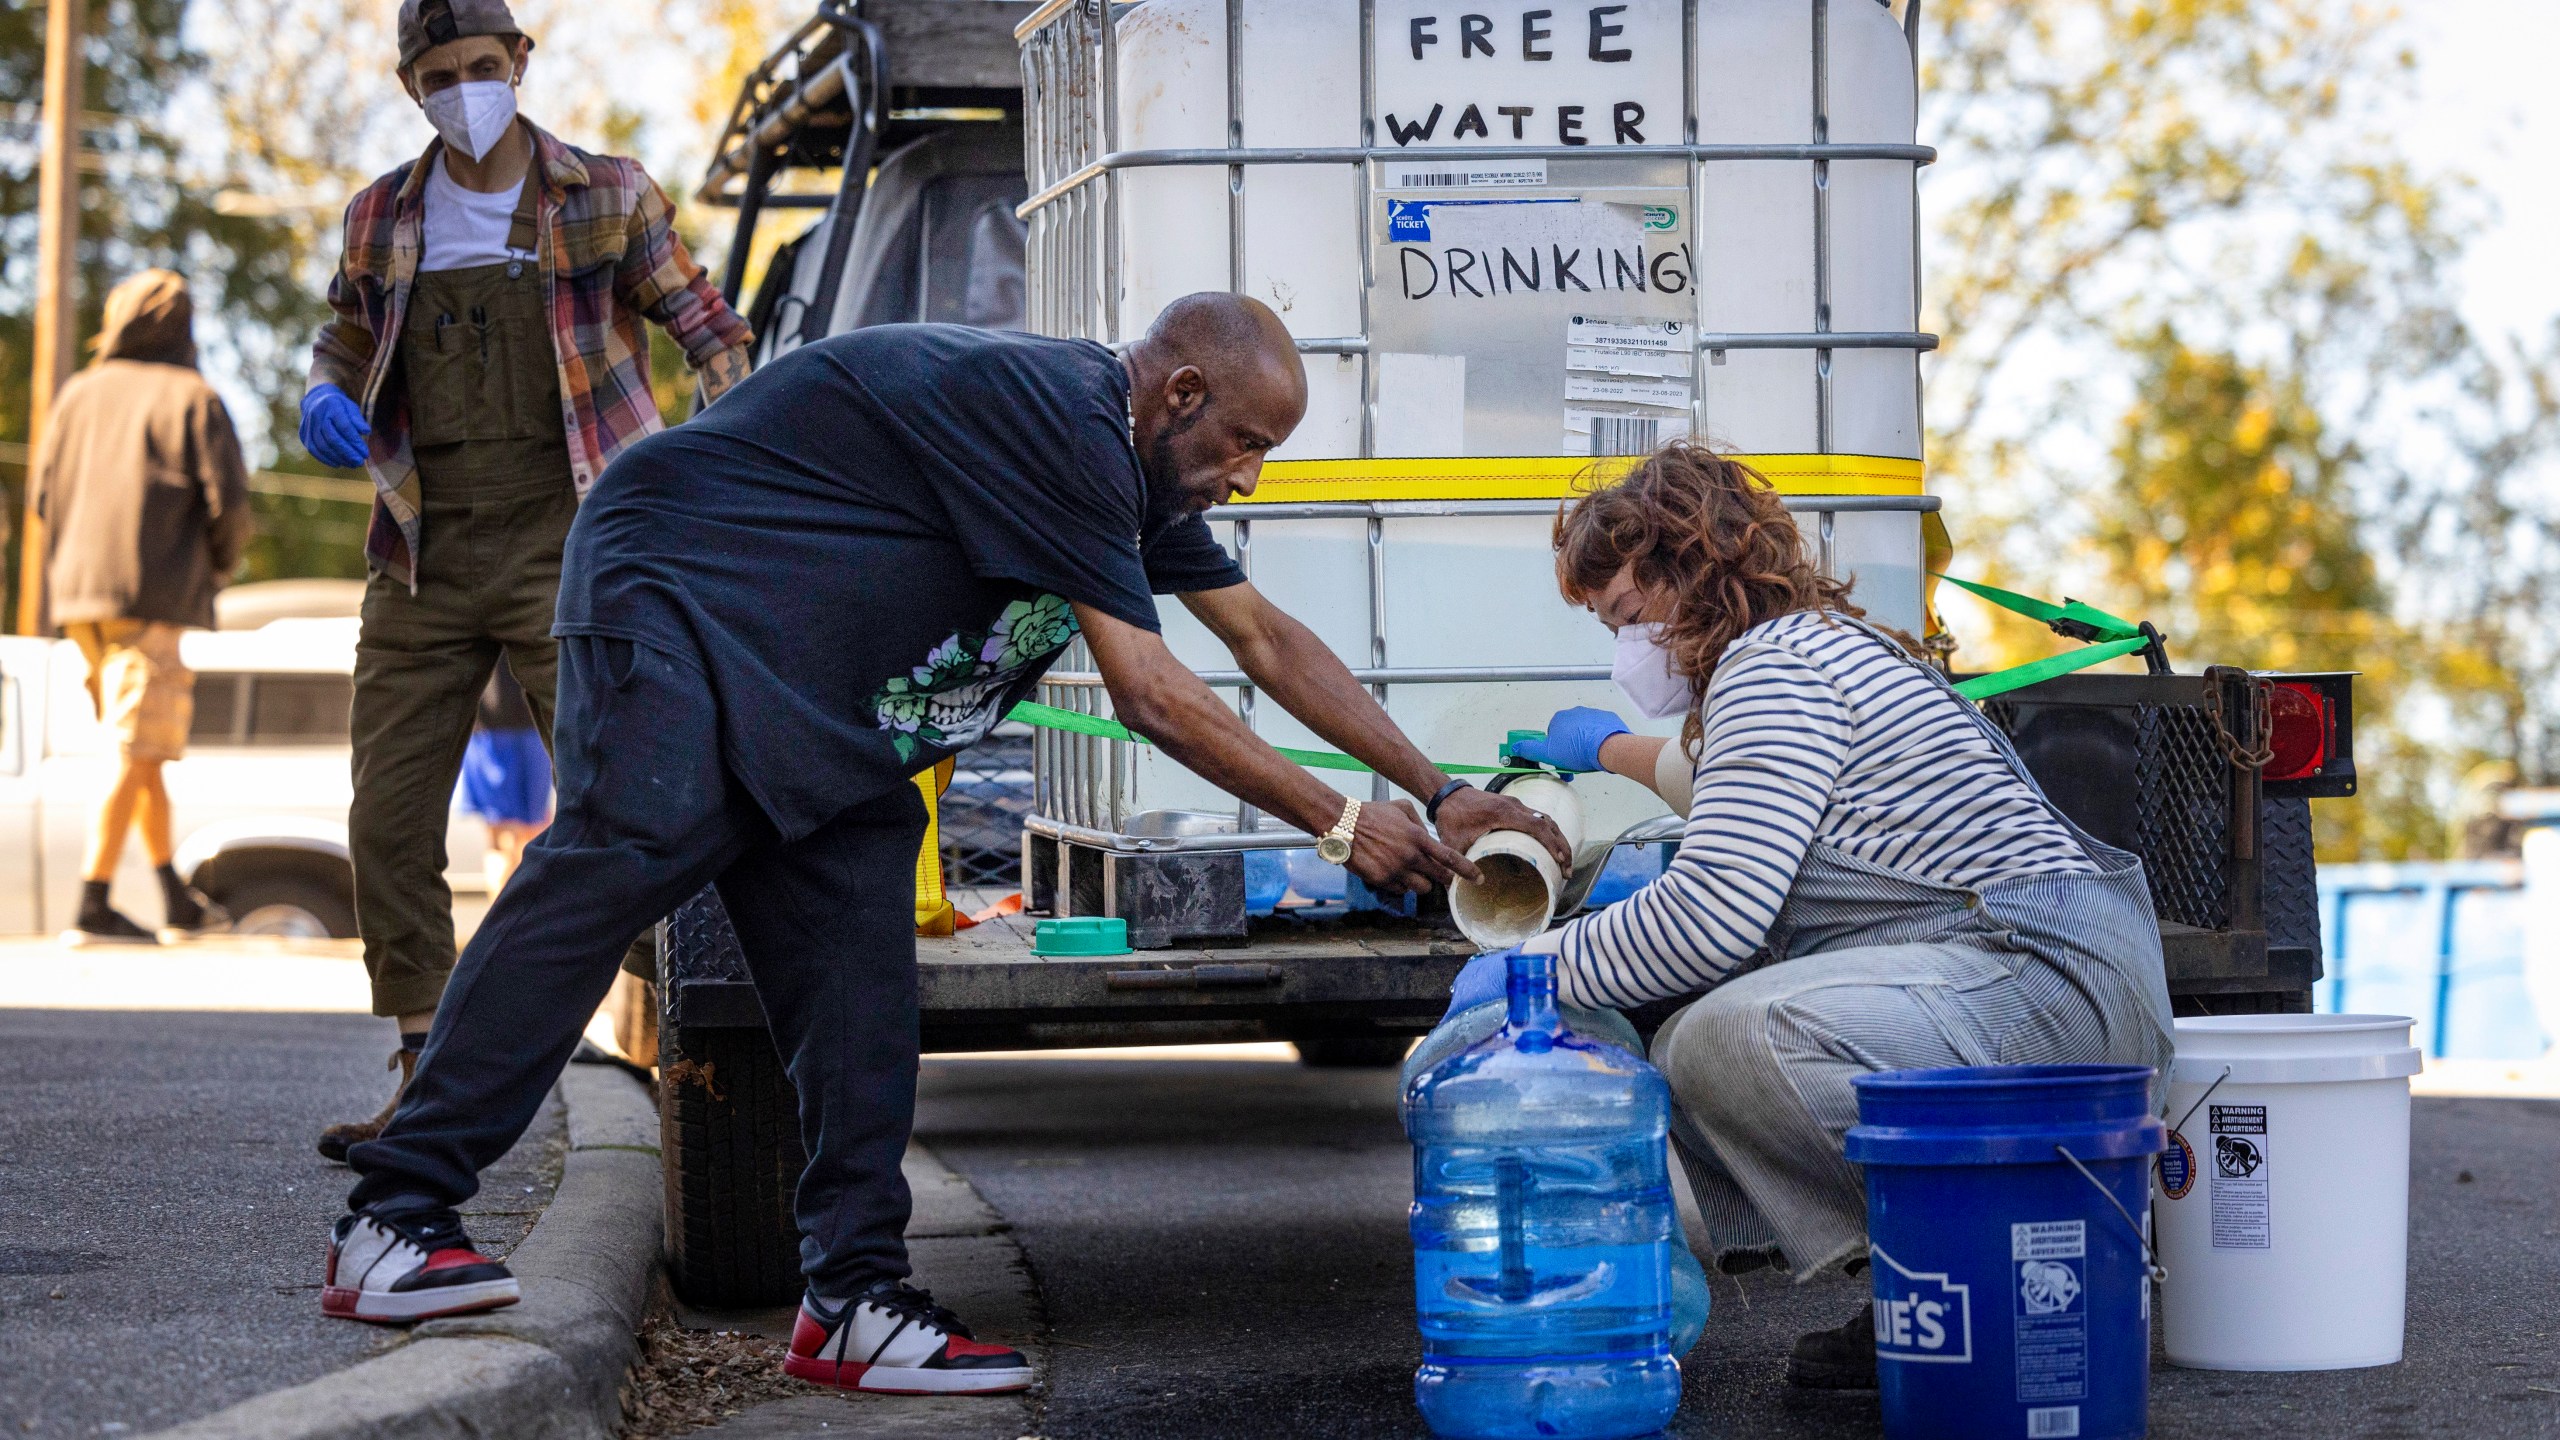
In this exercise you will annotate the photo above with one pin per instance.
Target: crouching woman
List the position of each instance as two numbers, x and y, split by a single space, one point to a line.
1869 879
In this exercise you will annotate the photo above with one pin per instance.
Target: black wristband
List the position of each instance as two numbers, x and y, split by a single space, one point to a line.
1431 811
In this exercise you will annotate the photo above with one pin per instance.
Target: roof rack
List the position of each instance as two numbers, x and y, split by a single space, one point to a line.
922 64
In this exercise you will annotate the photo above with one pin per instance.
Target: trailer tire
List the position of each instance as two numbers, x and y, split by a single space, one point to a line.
730 1132
1354 1052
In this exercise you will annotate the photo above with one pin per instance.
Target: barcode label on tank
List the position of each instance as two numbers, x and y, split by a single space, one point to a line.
1624 435
1607 432
2054 1422
1446 176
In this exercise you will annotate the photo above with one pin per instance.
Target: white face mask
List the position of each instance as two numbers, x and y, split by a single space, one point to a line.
474 115
1644 675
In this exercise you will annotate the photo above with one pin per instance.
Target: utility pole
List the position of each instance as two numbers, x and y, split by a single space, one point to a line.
57 270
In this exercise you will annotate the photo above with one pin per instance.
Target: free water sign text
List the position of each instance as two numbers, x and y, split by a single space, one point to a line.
1528 72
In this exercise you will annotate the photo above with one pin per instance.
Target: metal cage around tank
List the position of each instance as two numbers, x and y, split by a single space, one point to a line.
1078 169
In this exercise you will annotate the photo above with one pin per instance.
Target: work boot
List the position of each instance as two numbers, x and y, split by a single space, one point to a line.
893 1340
100 923
1842 1359
393 1270
335 1140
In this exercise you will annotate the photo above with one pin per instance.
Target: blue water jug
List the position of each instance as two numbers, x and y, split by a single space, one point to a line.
1542 1232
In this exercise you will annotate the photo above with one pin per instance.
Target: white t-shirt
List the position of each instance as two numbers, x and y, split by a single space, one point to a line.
468 227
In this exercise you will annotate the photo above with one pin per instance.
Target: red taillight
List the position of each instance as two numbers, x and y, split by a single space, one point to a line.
2299 716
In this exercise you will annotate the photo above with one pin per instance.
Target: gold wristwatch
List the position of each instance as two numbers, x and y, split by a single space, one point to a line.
1335 847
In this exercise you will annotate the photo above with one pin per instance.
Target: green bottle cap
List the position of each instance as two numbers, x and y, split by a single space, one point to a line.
1081 935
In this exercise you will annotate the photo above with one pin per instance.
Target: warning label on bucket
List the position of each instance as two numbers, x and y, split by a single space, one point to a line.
2243 1210
2052 1314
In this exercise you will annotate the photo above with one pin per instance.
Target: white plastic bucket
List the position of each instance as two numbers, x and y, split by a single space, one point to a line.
1522 884
2283 1212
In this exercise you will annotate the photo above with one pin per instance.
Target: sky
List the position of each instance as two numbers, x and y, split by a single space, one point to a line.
2489 108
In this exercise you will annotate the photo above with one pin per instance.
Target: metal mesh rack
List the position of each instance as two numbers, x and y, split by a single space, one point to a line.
2178 810
982 813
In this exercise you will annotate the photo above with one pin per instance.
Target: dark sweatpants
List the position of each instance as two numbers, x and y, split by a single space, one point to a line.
648 815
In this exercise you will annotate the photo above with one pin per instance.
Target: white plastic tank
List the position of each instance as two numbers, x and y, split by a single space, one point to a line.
1519 316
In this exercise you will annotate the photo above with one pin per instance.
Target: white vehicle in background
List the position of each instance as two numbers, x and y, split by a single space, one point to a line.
260 801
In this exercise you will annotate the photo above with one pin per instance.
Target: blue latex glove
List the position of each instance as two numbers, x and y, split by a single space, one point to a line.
333 427
1486 978
1573 739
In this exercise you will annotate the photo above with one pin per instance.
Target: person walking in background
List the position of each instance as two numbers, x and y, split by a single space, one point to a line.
145 504
506 775
489 356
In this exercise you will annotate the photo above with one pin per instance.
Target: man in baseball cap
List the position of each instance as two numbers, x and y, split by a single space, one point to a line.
488 358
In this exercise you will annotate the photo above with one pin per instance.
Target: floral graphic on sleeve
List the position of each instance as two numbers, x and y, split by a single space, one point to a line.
957 695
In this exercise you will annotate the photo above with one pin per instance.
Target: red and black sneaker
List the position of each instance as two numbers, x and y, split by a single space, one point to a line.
409 1267
893 1340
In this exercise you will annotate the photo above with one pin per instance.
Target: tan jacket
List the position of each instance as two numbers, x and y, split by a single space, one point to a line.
144 497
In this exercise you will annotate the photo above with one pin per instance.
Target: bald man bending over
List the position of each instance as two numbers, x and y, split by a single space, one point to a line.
770 619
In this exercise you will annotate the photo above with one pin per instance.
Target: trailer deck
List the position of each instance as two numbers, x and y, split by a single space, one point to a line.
1342 977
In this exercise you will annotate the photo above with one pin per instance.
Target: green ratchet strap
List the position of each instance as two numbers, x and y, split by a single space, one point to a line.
1050 717
1983 687
2073 619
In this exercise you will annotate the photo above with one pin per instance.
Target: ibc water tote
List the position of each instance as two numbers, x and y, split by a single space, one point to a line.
1455 422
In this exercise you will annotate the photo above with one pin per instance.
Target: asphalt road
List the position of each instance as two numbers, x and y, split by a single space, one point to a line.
163 1214
1220 1251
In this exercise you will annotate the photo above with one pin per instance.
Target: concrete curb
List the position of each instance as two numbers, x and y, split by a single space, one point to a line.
551 1366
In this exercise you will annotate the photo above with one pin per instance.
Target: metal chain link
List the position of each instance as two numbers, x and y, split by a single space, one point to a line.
2261 717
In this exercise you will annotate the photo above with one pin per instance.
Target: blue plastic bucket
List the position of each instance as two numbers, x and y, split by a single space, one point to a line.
2012 1299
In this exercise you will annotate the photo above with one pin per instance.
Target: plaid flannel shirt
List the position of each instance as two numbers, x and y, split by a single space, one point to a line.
609 257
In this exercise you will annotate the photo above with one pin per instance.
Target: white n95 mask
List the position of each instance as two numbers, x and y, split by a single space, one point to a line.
1644 675
474 115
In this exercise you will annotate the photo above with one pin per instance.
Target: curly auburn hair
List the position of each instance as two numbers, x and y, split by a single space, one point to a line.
1710 530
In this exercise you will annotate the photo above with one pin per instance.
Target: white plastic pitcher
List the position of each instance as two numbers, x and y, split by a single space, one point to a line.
2283 1199
1522 885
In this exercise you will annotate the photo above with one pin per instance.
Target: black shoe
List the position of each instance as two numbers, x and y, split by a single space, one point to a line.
1842 1359
103 924
192 913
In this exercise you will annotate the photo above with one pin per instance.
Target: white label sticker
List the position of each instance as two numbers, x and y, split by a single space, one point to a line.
1607 360
2243 1208
1603 432
1627 390
1670 336
1459 175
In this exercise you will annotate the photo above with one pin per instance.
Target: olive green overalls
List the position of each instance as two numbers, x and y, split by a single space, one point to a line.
485 419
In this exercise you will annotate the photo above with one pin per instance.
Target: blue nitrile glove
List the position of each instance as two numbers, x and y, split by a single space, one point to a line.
333 427
1574 738
1485 979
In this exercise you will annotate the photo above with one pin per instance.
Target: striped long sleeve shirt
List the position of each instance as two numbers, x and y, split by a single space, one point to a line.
1814 732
